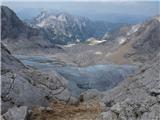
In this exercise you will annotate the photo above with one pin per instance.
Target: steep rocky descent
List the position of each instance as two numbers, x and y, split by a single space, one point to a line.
65 28
25 86
136 98
18 35
9 62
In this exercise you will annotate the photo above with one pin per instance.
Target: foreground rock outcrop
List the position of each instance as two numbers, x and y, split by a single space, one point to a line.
136 98
25 86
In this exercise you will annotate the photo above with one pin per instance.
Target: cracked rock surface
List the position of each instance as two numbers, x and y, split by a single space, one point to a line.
136 98
25 86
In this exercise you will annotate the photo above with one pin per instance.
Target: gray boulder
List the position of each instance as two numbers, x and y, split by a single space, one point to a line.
90 95
108 116
16 113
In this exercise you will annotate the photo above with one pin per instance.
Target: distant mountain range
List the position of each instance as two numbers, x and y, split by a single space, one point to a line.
64 28
48 29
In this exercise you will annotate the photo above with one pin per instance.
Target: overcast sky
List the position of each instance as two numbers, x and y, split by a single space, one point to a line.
90 8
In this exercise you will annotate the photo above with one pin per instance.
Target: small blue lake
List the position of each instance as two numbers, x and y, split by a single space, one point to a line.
100 77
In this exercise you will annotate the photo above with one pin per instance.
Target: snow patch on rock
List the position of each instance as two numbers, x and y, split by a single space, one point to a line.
133 29
121 40
70 45
98 53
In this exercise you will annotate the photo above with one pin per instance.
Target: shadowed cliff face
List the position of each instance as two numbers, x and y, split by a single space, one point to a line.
19 36
9 17
13 27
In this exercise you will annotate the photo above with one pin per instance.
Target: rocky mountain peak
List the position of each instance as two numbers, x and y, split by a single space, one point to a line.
14 31
11 24
64 28
42 15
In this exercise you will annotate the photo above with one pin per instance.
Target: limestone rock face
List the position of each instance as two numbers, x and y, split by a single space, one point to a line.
8 62
137 98
25 86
